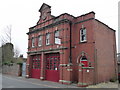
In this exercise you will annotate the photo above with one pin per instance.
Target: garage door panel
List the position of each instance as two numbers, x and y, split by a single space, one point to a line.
36 73
52 75
36 66
52 67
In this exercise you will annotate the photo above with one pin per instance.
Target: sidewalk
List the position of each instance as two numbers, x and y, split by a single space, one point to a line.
105 85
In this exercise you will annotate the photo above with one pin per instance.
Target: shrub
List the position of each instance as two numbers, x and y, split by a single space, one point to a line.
9 63
114 79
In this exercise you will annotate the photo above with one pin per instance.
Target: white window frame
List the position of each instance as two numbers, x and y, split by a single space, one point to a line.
48 39
83 34
56 38
33 42
40 40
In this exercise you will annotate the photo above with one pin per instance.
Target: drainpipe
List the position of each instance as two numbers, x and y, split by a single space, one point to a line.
70 57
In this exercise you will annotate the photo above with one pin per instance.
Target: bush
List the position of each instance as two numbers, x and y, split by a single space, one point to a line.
9 63
20 63
114 79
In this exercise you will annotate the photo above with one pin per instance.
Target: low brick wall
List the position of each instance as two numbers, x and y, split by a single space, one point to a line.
12 70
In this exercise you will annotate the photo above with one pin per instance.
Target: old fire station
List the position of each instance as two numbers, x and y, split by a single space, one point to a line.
68 49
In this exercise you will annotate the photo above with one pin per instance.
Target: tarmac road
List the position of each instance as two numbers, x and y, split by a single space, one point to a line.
9 81
20 82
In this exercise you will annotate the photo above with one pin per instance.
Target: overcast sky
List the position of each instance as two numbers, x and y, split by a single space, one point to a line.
22 14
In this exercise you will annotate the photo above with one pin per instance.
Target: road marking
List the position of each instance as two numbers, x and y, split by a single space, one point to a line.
31 82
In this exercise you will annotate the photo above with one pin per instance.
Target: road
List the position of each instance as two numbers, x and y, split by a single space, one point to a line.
20 82
16 83
8 82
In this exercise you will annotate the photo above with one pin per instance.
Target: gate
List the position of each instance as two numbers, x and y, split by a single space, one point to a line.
24 69
52 67
36 66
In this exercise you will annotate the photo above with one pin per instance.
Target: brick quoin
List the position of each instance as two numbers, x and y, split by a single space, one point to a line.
72 61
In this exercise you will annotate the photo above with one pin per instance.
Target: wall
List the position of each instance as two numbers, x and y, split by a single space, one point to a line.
12 70
79 47
105 52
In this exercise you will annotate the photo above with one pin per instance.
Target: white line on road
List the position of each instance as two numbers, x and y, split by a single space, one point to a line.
32 82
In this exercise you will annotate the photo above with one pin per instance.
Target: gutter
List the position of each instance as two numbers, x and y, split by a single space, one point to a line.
70 57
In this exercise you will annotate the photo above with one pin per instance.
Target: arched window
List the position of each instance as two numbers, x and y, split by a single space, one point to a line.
84 61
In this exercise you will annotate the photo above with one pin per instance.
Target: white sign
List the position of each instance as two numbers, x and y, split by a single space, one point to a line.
88 70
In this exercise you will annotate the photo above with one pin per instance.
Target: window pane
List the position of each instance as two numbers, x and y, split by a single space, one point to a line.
84 31
83 35
56 34
40 41
47 39
57 40
81 32
33 42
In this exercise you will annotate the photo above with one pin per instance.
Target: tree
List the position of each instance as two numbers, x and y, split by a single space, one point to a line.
16 52
6 35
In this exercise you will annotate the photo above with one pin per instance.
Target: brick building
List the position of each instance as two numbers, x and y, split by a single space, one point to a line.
68 49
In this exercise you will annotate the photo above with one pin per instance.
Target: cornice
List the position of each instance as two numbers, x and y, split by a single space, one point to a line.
45 50
50 25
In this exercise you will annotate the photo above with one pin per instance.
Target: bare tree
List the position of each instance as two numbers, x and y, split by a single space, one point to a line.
6 35
16 52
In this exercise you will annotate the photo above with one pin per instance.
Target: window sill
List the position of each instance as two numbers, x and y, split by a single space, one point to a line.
56 44
40 46
82 42
49 44
34 47
87 67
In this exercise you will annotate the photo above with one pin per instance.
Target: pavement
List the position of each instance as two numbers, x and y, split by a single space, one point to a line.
105 85
9 81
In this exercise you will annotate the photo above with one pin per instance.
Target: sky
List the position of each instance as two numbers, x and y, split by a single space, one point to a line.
23 14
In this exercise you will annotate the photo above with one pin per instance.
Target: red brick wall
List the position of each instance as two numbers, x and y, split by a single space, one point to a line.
105 51
78 47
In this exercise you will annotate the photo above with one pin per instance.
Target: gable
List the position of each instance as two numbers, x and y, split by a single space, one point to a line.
45 11
43 7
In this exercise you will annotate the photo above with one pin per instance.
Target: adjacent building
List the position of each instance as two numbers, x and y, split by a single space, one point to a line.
118 58
68 49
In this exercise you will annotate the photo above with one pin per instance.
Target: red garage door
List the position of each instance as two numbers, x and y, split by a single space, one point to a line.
52 67
36 64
